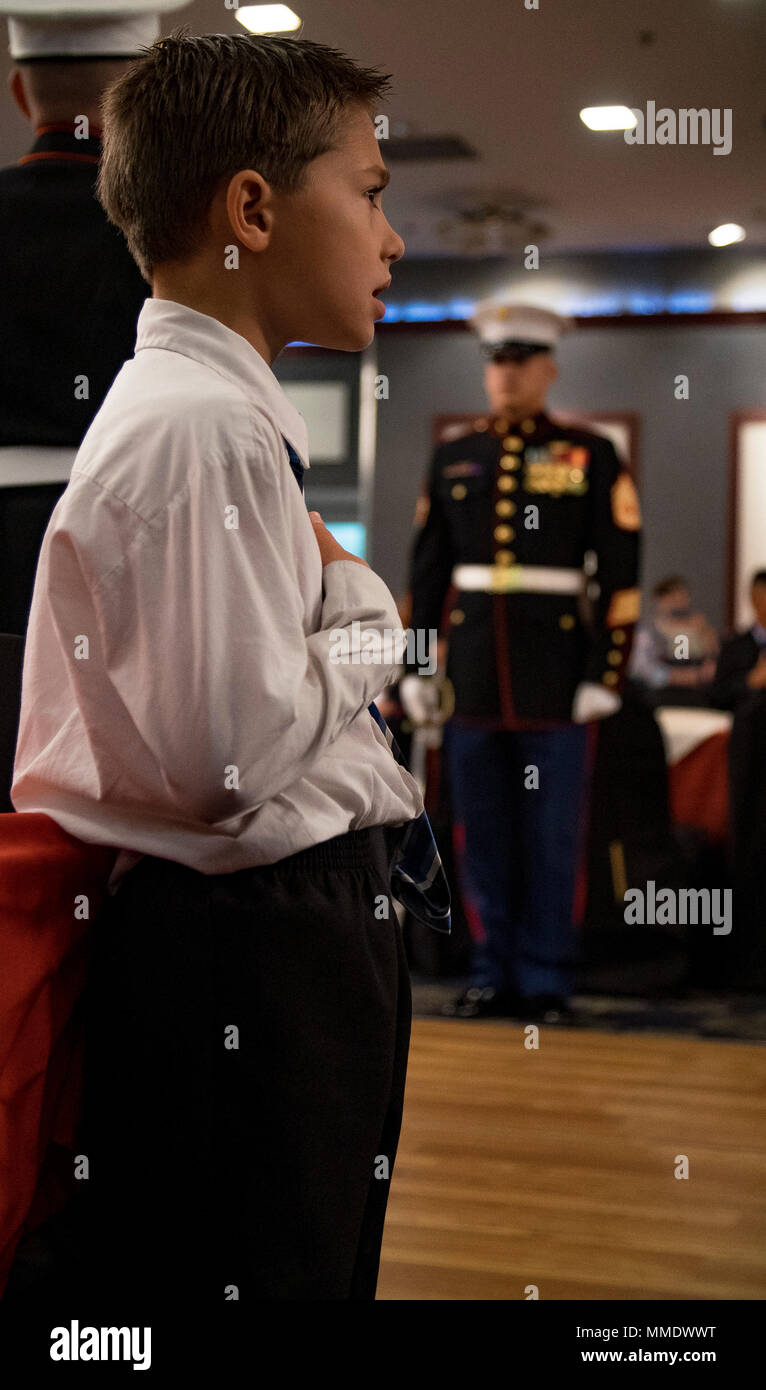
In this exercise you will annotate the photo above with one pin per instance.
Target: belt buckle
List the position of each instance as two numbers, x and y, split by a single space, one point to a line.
505 580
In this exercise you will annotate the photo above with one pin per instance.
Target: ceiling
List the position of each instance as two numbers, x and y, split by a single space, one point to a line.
510 81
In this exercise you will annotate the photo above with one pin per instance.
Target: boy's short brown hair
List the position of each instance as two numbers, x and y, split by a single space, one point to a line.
192 111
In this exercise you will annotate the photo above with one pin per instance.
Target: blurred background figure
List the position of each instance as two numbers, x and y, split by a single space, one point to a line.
674 653
512 507
741 668
740 686
70 290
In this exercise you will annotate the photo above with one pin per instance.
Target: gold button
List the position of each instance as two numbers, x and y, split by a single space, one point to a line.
504 557
510 461
527 426
506 484
610 678
456 616
459 491
501 426
566 621
576 475
481 424
618 636
505 507
513 442
614 658
504 533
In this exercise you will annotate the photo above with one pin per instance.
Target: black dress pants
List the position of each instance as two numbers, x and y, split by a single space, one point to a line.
245 1059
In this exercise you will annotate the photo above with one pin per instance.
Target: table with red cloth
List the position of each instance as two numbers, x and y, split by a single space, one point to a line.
51 888
697 749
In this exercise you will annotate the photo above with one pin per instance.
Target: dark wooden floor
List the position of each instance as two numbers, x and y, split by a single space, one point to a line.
555 1167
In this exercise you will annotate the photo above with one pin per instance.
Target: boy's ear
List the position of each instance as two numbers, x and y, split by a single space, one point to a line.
249 205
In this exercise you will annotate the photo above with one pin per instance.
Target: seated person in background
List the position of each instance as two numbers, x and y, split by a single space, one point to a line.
742 663
675 649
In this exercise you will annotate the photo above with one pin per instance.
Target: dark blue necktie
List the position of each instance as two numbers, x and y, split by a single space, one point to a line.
418 879
295 464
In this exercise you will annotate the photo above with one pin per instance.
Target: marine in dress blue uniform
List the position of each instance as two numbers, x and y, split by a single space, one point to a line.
70 290
512 512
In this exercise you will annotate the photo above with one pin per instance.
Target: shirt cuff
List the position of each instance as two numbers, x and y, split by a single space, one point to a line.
356 591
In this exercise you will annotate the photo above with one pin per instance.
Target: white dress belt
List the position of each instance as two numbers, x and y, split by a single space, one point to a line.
529 579
31 465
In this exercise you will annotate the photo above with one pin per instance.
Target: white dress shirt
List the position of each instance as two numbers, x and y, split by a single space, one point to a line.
179 694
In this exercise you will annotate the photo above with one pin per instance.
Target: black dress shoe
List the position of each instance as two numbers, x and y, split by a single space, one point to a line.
480 1003
546 1008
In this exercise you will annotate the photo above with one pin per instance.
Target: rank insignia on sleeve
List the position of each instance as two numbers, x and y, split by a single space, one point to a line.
626 512
422 508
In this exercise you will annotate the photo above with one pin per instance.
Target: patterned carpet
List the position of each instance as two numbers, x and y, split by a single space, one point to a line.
696 1013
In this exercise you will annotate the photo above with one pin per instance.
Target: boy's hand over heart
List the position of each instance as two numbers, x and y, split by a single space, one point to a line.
329 548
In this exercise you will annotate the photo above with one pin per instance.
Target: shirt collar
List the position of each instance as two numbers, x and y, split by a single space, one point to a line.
164 324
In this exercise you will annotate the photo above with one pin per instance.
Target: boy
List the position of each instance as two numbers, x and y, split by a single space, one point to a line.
248 1004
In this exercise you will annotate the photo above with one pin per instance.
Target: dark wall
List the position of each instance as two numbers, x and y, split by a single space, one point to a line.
683 449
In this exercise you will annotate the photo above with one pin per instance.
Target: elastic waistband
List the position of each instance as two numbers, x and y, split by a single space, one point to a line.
357 849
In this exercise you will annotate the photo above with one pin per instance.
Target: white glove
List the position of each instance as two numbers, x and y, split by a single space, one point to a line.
592 702
420 698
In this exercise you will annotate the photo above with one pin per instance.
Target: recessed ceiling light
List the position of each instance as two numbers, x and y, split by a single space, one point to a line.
608 117
268 19
726 234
